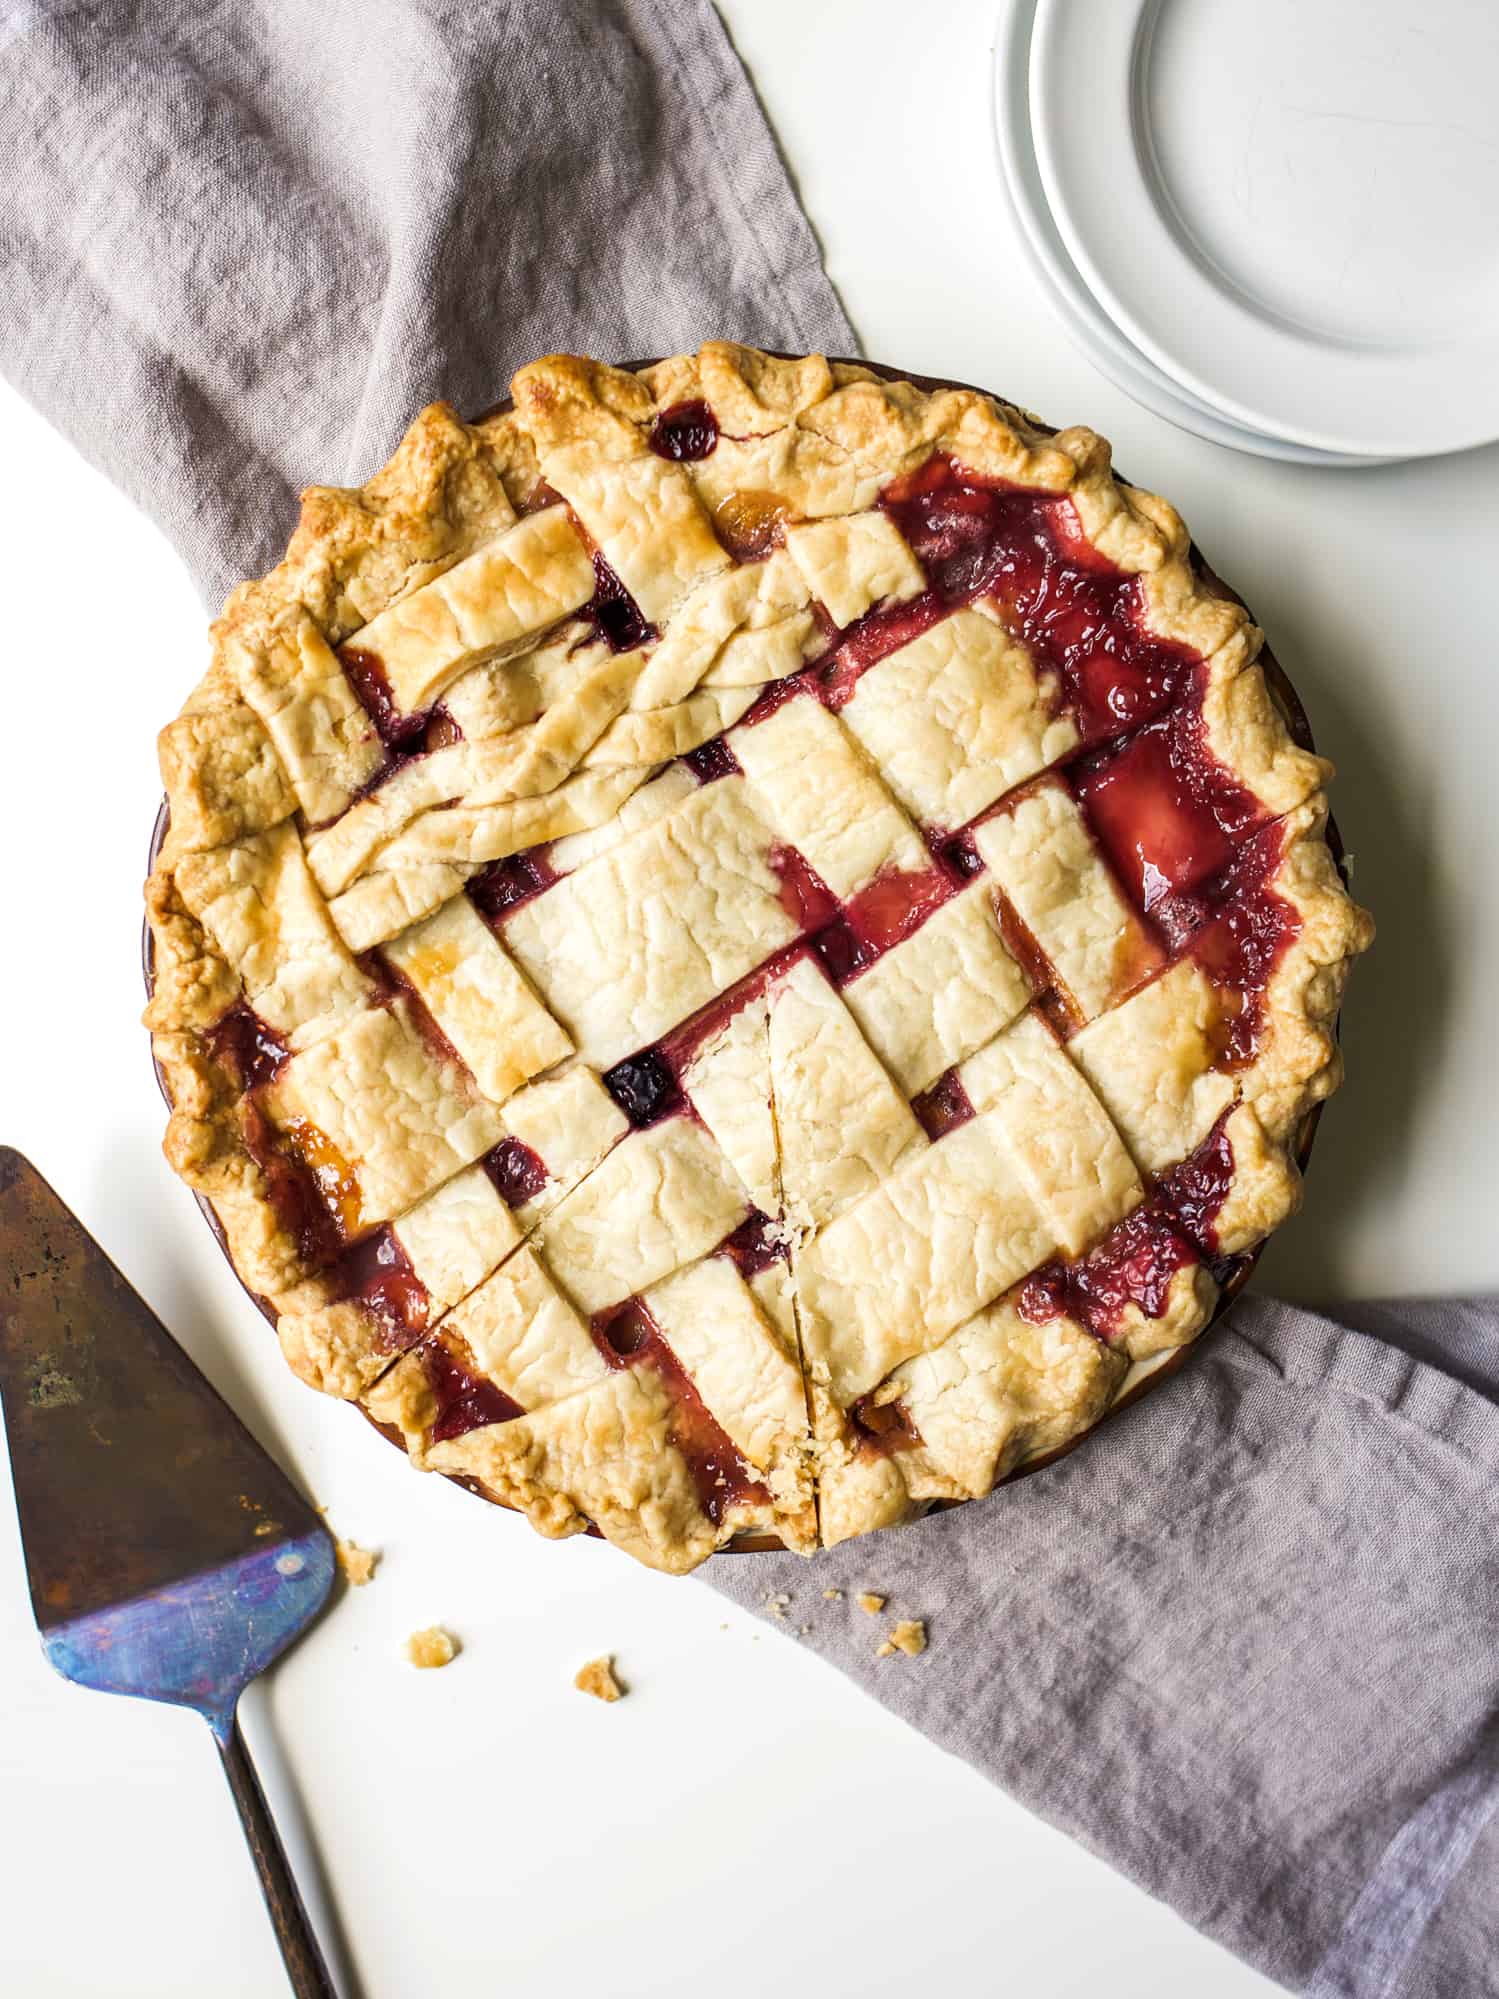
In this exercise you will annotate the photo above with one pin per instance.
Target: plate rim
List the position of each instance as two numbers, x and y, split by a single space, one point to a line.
1133 373
1284 353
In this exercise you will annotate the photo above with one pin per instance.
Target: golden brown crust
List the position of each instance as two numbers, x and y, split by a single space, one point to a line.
908 1635
597 1677
221 775
355 1564
431 1647
1298 1062
278 872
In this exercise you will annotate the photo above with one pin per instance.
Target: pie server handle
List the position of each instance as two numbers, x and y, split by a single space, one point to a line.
305 1966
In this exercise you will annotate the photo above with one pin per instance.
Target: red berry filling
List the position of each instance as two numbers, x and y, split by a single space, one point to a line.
378 1274
1137 1260
517 1172
1133 1265
882 1427
366 675
644 1087
685 432
1244 930
882 914
1195 1191
613 612
711 761
1163 808
943 1107
298 1199
505 885
627 1336
1072 610
246 1044
754 1246
465 1400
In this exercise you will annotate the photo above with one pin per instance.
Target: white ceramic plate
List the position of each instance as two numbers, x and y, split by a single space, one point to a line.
1287 205
1085 319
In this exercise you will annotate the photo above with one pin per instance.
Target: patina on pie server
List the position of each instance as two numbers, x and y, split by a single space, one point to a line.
167 1555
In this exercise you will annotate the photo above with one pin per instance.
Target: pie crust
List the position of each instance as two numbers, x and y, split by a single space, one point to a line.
738 942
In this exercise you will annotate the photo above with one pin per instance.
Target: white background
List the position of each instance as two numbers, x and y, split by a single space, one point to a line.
746 1821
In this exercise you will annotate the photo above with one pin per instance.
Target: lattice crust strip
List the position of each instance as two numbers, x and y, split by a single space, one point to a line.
738 944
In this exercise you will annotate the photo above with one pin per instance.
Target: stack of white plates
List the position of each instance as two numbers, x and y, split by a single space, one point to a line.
1273 222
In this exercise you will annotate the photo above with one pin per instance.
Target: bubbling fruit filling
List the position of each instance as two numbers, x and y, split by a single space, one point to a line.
308 1209
1133 1265
628 1336
366 674
1243 931
881 915
805 896
466 1399
1163 808
711 761
685 432
407 738
245 1043
377 1274
505 885
877 634
1139 1257
882 1428
645 1088
750 524
1194 1191
755 1245
613 612
943 1107
516 1172
1074 612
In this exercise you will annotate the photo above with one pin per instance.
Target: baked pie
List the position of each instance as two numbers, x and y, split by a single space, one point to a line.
737 942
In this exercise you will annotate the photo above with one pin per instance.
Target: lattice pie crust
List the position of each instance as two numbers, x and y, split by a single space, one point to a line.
736 942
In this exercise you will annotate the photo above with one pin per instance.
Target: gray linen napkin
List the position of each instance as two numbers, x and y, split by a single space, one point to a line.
243 245
1242 1644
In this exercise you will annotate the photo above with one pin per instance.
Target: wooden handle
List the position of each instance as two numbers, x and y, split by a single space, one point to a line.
299 1946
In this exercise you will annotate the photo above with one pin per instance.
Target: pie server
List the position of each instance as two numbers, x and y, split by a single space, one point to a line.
167 1556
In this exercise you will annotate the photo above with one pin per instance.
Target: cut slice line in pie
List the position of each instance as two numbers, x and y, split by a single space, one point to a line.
737 943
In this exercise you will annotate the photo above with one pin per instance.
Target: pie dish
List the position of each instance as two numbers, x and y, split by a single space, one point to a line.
737 943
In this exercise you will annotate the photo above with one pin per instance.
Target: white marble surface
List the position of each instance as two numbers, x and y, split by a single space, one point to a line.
745 1821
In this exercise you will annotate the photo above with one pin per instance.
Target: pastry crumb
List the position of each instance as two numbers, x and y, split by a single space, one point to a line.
909 1636
868 1601
597 1678
432 1647
356 1564
778 1604
832 1596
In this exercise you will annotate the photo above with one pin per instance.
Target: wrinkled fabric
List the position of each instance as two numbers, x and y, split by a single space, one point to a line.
244 244
1243 1643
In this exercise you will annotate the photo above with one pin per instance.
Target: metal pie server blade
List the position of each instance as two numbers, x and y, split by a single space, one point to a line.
168 1556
